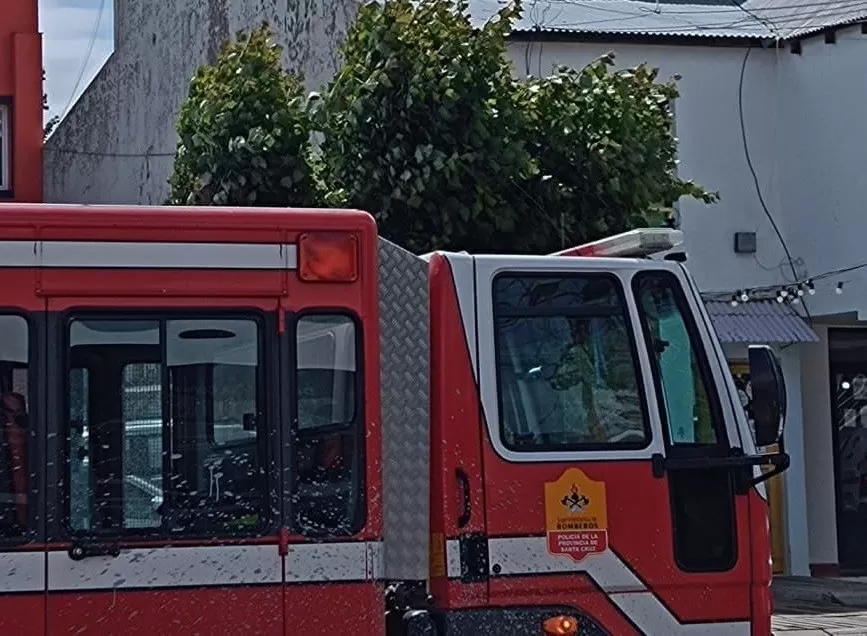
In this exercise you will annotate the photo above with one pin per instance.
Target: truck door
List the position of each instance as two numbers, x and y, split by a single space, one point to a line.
331 456
22 531
592 376
330 553
163 513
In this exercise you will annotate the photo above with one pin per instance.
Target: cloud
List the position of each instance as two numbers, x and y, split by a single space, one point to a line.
68 26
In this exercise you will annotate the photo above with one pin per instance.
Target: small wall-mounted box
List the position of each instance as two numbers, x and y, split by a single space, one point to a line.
745 242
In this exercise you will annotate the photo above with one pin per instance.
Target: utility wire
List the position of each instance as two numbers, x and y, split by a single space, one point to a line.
96 153
86 61
755 176
724 20
676 9
807 281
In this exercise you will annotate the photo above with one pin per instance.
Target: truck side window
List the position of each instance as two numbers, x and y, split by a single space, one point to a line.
327 489
681 376
143 410
15 447
702 499
566 363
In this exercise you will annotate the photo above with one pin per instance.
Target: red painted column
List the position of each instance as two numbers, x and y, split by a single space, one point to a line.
27 117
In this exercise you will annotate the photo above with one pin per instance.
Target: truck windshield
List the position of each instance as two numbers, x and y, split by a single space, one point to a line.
566 363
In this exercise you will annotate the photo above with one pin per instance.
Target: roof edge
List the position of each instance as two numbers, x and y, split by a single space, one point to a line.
730 41
680 39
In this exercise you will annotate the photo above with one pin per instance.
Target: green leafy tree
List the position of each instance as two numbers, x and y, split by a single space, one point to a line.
421 126
243 131
605 149
426 127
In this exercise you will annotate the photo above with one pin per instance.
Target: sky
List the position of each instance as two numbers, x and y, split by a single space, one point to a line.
68 27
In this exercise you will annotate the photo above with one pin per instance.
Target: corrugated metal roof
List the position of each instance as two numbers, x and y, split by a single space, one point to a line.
705 18
797 18
758 322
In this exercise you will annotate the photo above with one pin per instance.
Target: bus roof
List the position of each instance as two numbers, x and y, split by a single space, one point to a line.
202 223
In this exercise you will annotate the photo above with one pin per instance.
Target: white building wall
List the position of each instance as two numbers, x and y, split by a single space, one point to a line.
795 480
819 462
821 101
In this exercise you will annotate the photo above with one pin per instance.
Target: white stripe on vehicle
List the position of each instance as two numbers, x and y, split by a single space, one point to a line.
199 566
22 572
453 558
329 562
138 255
529 555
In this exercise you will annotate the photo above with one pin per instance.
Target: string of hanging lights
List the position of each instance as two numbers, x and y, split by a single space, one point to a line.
789 293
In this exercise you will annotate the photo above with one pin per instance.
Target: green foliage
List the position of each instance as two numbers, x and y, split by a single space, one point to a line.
604 145
421 127
243 131
426 127
49 127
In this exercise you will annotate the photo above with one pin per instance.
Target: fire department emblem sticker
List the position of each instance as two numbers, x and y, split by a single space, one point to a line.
576 515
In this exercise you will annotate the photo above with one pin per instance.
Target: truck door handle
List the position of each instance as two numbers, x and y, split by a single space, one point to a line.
79 551
464 486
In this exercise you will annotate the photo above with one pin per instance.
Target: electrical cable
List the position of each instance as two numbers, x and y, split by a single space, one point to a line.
720 9
845 16
755 176
95 153
84 64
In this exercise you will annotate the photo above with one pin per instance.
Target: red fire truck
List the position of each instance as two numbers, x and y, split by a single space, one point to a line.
273 421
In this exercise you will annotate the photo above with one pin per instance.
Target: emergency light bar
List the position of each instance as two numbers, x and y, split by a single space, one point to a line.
636 243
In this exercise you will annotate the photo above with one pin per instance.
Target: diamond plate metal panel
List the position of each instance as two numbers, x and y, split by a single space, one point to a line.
404 363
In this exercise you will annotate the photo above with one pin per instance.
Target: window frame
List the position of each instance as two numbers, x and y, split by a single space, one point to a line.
267 368
356 427
6 147
620 291
36 428
723 444
211 434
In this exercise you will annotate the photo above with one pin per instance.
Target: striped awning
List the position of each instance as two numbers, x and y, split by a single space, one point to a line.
758 322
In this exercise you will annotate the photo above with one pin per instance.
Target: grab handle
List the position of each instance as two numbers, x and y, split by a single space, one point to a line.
464 486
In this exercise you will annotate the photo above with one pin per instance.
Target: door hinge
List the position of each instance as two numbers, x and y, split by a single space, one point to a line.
657 463
474 558
283 542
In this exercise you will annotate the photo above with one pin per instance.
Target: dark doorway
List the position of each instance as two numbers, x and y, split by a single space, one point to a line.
847 350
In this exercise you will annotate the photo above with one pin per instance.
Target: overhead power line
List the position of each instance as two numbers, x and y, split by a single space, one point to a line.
86 61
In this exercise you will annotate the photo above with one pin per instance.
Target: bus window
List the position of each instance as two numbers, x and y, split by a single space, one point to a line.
141 410
233 399
79 443
327 493
14 442
146 398
566 364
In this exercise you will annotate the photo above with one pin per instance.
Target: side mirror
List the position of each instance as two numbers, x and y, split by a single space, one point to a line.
768 404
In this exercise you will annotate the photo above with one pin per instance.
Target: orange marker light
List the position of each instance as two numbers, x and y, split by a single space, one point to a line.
561 625
328 257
